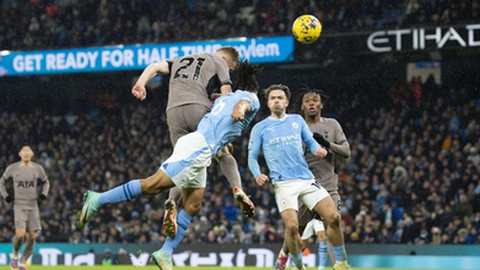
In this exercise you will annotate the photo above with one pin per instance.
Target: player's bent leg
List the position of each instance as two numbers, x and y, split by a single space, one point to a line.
157 183
229 168
28 249
192 202
326 208
93 201
292 237
17 241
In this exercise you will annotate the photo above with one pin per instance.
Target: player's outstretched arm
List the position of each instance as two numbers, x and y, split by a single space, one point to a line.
148 73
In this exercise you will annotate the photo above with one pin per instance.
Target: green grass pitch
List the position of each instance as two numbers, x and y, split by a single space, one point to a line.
129 267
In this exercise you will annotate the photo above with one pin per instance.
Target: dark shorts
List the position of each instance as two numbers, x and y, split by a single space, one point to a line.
305 215
184 119
27 218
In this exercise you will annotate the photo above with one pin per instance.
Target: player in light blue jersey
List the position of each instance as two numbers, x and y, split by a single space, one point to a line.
280 136
186 168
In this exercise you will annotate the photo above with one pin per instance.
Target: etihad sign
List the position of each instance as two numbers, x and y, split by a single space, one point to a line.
421 38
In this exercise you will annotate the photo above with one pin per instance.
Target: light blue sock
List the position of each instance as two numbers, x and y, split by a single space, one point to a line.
297 260
183 221
322 253
340 253
122 193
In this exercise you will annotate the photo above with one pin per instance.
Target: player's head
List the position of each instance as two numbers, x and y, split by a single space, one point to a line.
230 54
312 101
278 96
26 153
246 79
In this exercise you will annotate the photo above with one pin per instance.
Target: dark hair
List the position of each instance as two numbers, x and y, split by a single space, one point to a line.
305 89
281 87
246 79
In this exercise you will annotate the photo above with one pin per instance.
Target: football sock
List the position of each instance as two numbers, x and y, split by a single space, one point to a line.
27 251
297 260
322 253
183 221
16 243
340 253
122 193
175 194
229 168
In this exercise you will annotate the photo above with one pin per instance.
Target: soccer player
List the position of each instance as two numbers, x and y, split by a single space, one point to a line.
186 167
25 175
334 140
193 80
280 136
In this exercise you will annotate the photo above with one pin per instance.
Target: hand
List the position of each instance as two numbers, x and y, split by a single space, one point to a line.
9 199
238 115
321 140
42 197
262 179
139 92
214 96
321 152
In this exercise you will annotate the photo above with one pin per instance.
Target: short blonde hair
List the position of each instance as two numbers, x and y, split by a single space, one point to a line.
230 51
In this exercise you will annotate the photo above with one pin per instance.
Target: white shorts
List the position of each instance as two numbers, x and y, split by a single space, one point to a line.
312 228
187 166
289 193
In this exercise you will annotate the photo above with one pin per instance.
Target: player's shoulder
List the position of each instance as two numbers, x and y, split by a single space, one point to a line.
294 117
262 123
13 165
330 120
249 95
36 165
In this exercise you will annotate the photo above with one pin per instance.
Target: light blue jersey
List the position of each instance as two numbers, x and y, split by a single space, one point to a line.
218 126
281 143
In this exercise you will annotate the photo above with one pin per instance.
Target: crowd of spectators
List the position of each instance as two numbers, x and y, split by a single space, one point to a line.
414 172
413 176
39 24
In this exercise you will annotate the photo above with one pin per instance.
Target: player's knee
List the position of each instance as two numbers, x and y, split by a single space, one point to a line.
31 235
20 235
192 208
291 227
151 186
333 220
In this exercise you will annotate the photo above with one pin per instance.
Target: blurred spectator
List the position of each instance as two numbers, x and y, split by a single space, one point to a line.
42 25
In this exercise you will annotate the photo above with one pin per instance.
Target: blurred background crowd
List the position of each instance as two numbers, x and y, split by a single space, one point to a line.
37 24
413 176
